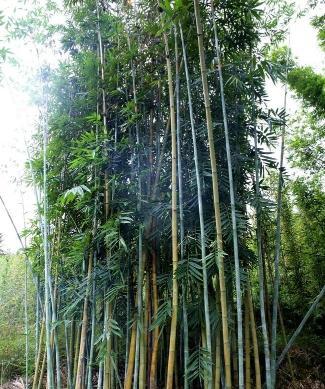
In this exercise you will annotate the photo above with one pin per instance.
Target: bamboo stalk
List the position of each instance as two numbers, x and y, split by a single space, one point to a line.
258 384
233 210
247 348
276 285
155 341
200 203
39 355
42 372
68 357
300 327
216 201
139 308
129 375
172 339
84 327
143 336
261 271
180 200
92 335
47 267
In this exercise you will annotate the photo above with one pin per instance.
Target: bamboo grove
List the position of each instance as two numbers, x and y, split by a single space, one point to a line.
149 162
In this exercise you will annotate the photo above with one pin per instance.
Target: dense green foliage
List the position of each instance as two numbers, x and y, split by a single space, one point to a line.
310 86
115 285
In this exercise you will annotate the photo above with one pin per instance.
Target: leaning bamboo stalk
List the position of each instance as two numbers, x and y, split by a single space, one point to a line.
28 262
300 327
281 324
216 201
41 376
233 210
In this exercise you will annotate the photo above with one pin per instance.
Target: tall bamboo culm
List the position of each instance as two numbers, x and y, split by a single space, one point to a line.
233 209
216 201
47 268
200 203
172 339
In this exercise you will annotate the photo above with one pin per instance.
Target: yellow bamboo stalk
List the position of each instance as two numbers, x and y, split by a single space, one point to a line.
173 327
129 374
39 355
84 326
216 201
155 338
143 337
41 376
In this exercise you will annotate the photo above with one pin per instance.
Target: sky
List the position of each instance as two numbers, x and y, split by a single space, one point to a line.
19 117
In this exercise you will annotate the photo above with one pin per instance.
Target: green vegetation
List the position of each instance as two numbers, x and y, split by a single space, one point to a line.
170 247
12 317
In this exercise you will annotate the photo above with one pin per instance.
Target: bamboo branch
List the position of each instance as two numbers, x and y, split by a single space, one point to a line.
300 327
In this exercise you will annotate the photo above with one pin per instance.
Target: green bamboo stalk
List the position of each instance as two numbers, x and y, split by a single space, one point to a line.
139 310
26 304
261 270
233 209
216 201
93 324
276 285
26 327
53 300
37 319
200 203
47 269
68 356
173 328
181 210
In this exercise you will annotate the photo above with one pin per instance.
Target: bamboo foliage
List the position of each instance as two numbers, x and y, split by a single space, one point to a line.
138 180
